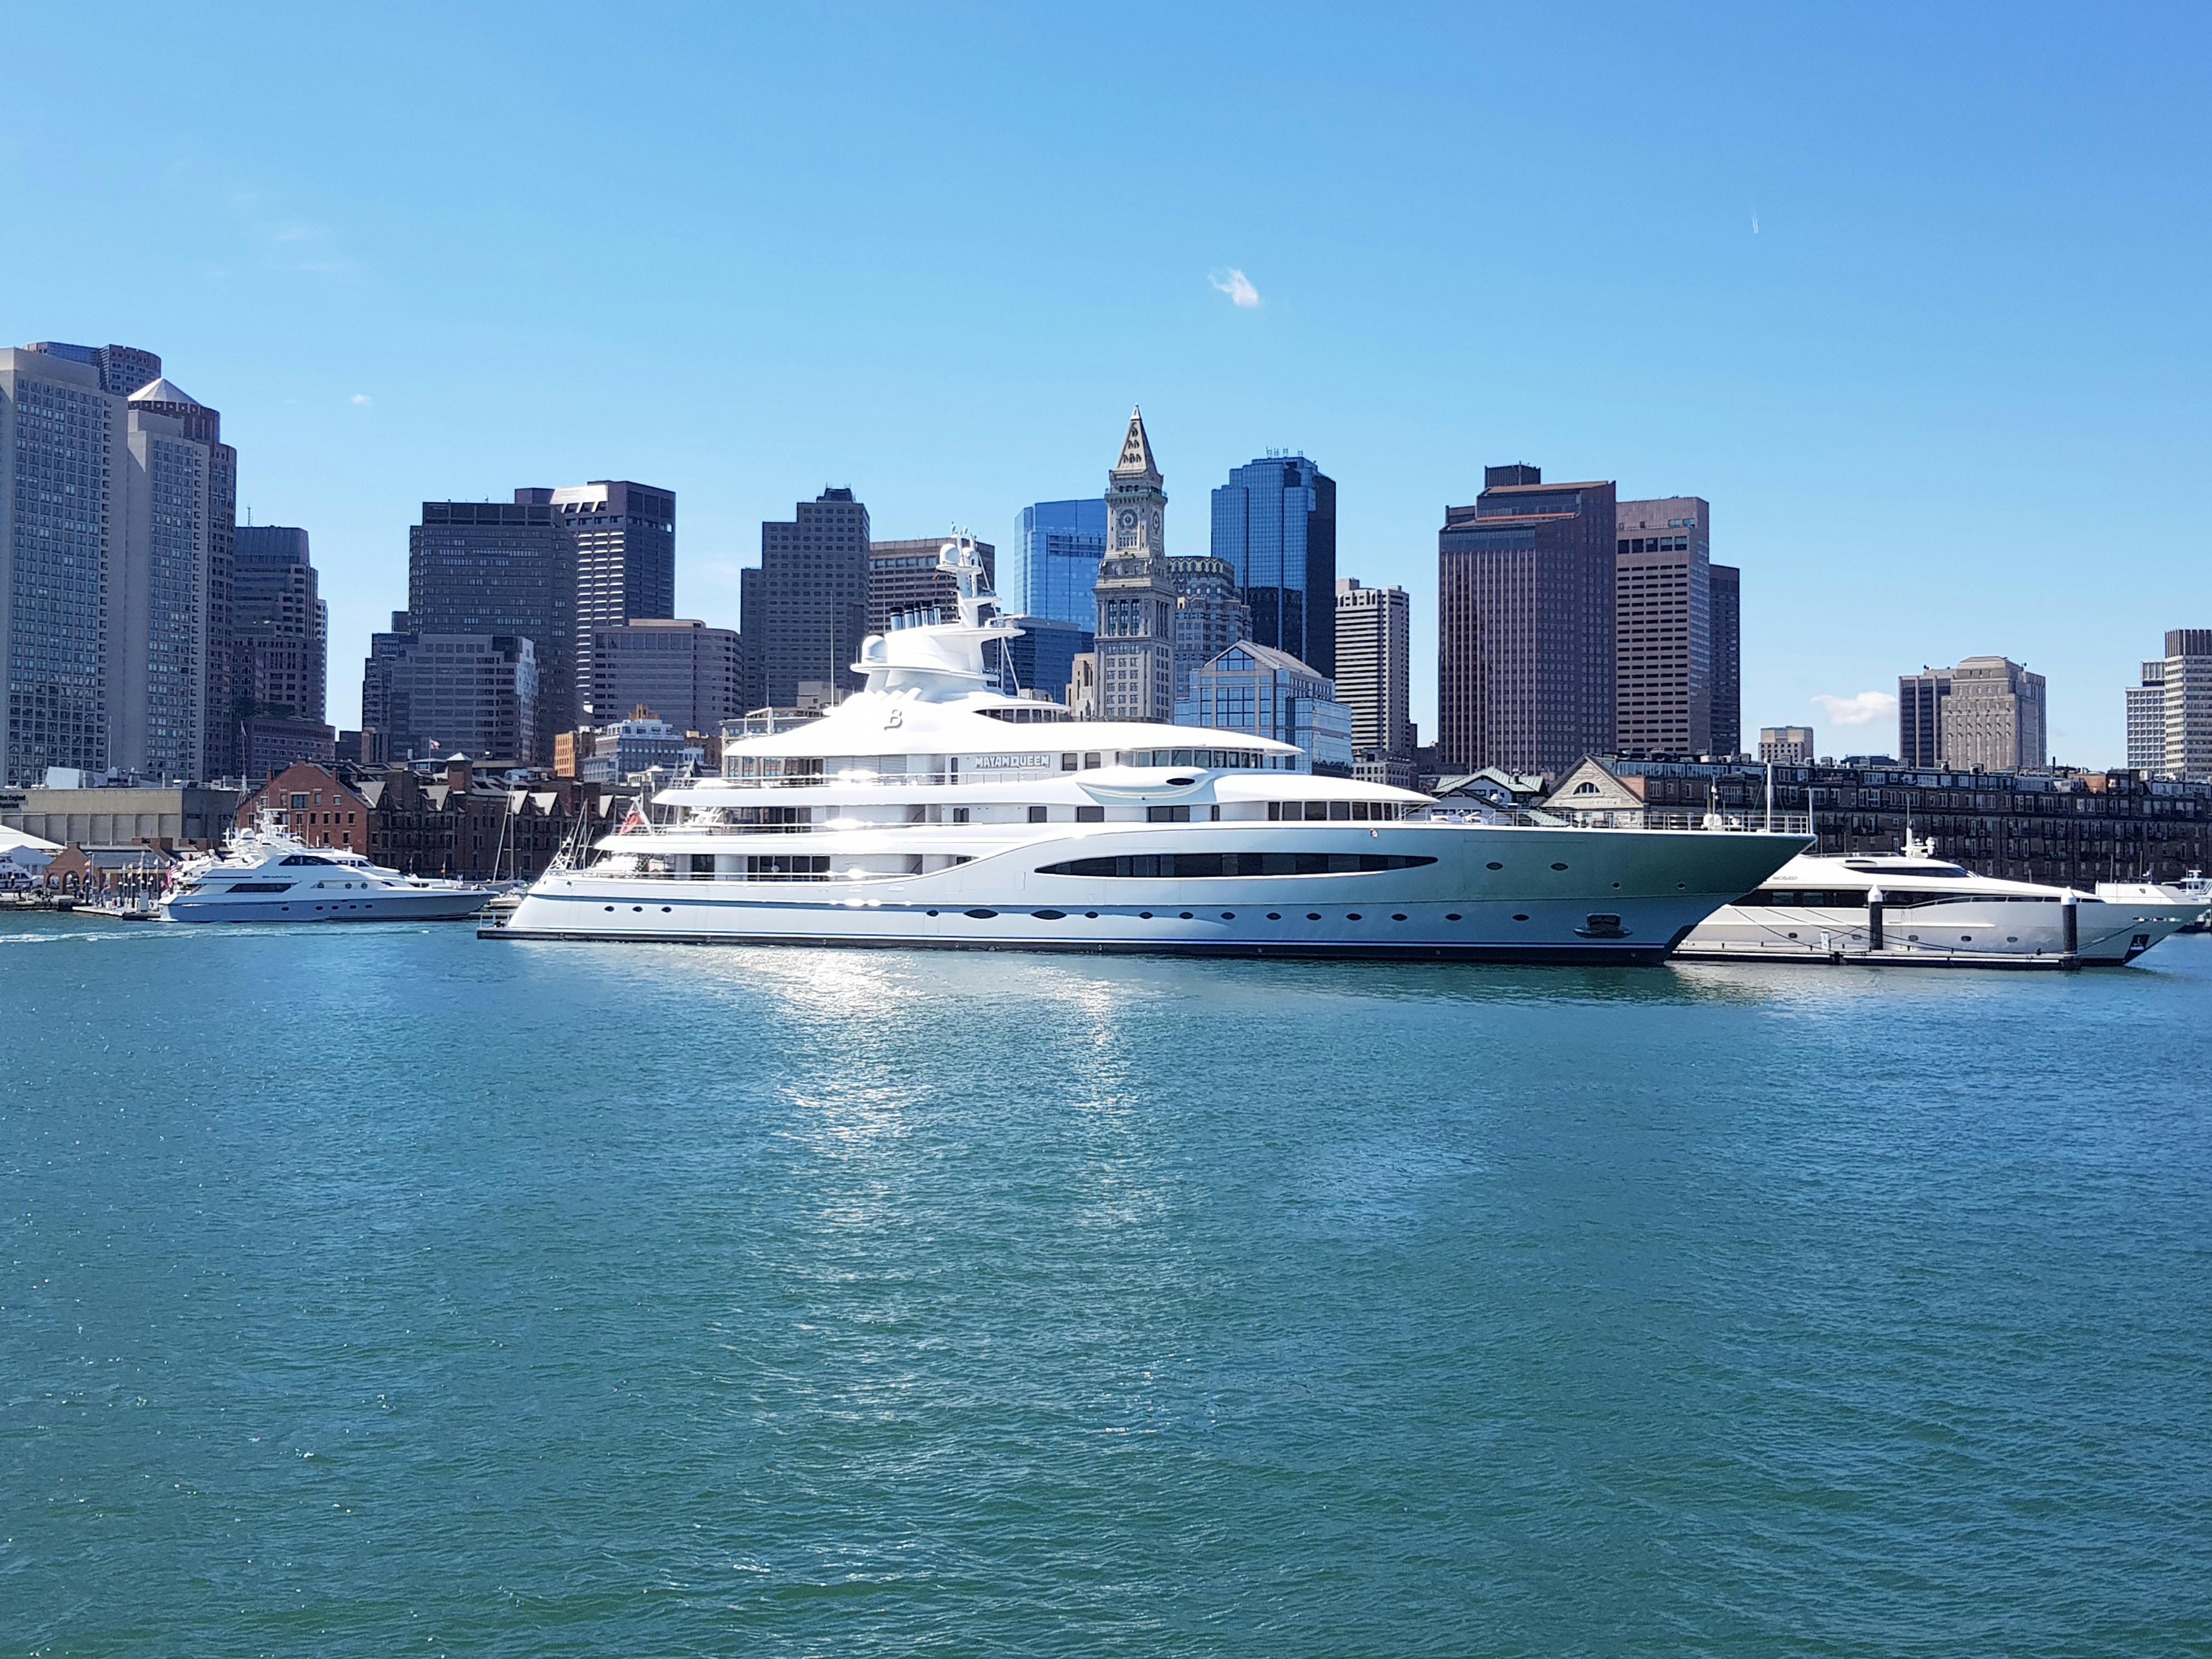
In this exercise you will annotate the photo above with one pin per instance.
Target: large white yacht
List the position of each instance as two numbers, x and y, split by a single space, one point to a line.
265 873
1912 909
932 810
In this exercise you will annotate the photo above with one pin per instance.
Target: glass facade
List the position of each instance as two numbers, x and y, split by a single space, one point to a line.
1042 657
1274 521
1263 691
1057 547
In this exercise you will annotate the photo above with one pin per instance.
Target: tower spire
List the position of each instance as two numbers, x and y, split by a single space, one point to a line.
1136 460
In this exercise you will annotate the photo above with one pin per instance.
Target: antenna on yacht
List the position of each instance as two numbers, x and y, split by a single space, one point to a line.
1770 797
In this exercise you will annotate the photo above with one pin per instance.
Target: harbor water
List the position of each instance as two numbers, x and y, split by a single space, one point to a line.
378 1290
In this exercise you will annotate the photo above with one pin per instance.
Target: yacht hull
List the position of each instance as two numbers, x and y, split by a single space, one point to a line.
1476 892
1958 933
435 906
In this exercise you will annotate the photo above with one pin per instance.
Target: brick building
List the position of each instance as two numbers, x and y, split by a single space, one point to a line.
2067 829
442 822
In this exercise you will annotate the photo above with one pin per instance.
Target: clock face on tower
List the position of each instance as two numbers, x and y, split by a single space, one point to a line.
1128 517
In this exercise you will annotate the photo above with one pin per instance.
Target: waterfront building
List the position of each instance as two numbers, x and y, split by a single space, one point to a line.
447 694
813 590
439 820
1085 700
688 674
903 577
1786 746
1374 644
2069 829
115 508
1727 658
1042 657
1054 568
2170 713
174 815
1663 627
1135 628
499 568
1209 615
1525 624
1271 693
1274 523
1986 712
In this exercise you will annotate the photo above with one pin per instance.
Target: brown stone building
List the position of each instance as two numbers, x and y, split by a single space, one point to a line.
444 822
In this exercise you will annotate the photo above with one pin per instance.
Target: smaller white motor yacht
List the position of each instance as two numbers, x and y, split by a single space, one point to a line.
1910 909
266 873
2192 892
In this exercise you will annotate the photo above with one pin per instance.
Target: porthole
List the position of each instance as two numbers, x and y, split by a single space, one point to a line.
612 907
1049 915
1274 915
1493 864
1913 938
2012 939
929 913
1453 916
1397 918
1186 915
1616 884
1313 916
1558 866
1229 915
1144 915
1090 916
1519 918
1793 936
1965 939
666 910
1352 916
1680 886
980 916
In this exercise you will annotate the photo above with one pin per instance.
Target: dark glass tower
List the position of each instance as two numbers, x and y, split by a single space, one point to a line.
814 598
1274 521
625 560
502 568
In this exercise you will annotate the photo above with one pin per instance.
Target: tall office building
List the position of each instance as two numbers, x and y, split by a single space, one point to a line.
1210 614
905 576
688 674
281 628
430 694
280 652
752 629
1986 714
1727 658
1525 624
1055 569
482 569
624 553
1042 657
1663 627
1135 645
1374 642
814 600
2170 713
115 545
1274 521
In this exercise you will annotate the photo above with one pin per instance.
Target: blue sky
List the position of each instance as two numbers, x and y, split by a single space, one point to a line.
1915 296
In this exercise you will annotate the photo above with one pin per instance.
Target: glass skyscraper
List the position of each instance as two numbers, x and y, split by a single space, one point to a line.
1054 567
1274 521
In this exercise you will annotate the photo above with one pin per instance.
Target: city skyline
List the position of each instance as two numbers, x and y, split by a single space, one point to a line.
1927 319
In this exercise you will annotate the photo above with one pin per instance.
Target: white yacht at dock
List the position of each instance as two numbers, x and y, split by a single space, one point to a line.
265 873
930 810
1910 909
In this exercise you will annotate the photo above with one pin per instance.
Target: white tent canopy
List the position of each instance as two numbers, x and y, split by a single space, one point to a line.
25 852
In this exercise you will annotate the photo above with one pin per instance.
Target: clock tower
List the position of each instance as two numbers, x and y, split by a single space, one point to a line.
1136 601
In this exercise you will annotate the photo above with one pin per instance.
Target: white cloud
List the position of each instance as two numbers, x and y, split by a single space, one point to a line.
1237 286
361 400
1864 709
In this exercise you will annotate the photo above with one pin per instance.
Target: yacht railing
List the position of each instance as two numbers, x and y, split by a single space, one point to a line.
1738 824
